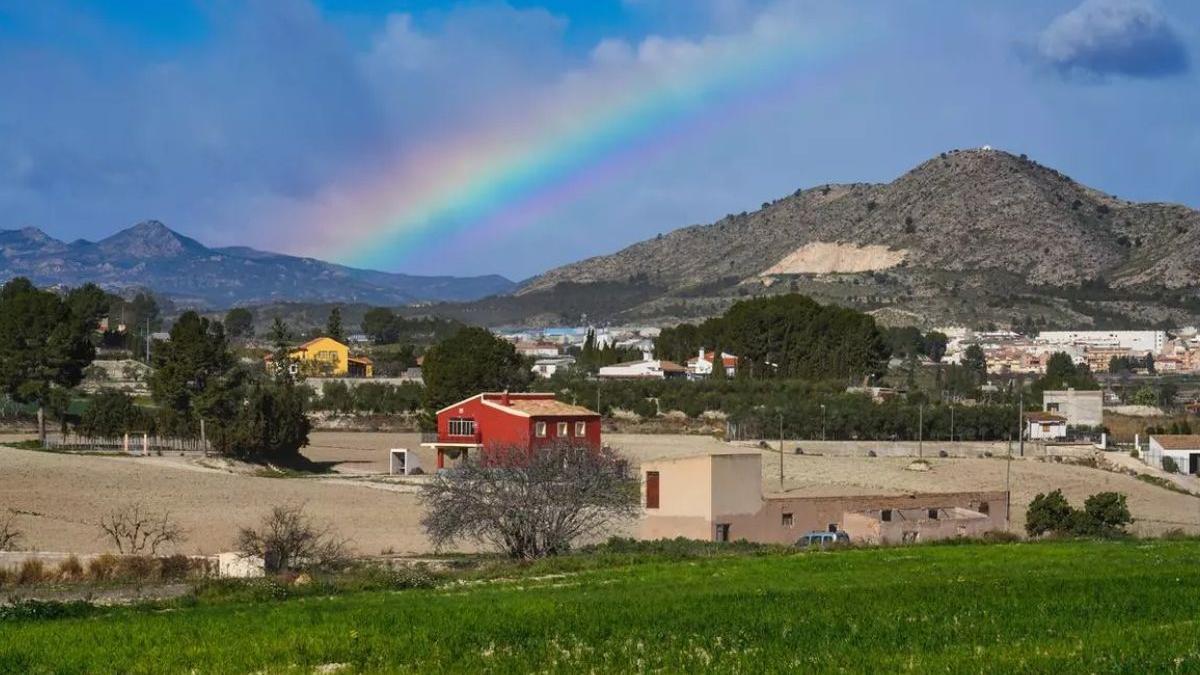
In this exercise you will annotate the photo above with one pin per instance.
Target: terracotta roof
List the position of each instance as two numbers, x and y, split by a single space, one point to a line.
359 359
728 361
1038 416
671 366
545 408
1178 441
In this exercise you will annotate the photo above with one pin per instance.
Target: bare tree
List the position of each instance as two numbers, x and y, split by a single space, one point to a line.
136 530
530 504
9 534
289 540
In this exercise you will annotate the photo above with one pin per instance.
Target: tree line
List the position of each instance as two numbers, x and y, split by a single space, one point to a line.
784 337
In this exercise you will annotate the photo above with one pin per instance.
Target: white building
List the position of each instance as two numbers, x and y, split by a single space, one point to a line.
547 367
655 369
1134 340
1183 448
701 365
1081 408
1044 426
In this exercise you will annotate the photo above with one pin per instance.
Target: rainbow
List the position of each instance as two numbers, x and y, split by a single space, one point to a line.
515 171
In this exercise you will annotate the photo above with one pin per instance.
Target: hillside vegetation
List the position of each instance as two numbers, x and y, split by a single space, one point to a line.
1057 607
966 237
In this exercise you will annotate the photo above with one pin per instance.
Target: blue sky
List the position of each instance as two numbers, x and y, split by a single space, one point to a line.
231 120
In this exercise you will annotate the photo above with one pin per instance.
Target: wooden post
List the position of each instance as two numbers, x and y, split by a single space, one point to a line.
145 445
441 459
125 446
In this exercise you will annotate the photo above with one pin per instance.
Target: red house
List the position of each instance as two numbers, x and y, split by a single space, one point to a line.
512 421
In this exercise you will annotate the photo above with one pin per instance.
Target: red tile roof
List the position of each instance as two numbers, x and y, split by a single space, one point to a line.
1178 441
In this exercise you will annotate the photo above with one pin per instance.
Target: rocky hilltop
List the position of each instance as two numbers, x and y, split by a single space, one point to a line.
152 256
969 236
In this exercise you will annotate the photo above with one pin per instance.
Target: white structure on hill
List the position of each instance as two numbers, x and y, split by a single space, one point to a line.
647 369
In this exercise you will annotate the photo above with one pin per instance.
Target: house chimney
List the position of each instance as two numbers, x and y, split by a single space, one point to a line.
701 354
504 400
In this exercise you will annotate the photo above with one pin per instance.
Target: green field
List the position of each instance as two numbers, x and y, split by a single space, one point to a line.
1076 606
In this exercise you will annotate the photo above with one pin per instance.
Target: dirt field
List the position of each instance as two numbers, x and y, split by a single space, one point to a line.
60 497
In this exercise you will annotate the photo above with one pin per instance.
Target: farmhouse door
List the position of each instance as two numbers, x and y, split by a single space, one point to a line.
1194 463
652 489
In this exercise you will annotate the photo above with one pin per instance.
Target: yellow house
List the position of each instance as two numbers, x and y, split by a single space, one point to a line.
329 358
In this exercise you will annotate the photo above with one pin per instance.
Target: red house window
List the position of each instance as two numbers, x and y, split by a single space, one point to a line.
462 426
539 429
562 430
652 489
581 428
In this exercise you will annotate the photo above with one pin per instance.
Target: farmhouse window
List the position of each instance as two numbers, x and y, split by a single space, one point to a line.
833 527
722 533
787 520
462 426
581 428
933 514
562 430
886 515
539 429
652 489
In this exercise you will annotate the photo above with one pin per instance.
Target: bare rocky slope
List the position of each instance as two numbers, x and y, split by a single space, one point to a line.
971 236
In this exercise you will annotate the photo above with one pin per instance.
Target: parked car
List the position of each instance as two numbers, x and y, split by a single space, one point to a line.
823 539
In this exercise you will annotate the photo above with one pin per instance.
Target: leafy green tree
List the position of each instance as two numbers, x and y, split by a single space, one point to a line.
379 323
974 361
239 322
935 345
194 376
44 347
1048 513
110 413
89 304
333 326
271 426
1108 512
1145 396
470 362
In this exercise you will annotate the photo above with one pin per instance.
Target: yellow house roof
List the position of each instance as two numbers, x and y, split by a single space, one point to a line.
315 341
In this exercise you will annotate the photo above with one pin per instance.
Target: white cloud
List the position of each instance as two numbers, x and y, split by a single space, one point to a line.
1113 37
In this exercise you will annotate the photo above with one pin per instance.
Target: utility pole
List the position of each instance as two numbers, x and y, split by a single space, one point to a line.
781 452
1021 419
921 430
822 422
951 422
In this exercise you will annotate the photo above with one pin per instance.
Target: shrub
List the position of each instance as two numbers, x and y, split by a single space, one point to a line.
1169 465
70 569
175 567
289 540
1001 536
1109 512
136 530
32 571
103 567
10 536
1134 453
137 568
1047 513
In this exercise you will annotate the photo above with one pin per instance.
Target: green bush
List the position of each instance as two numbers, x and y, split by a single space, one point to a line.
1048 513
1170 465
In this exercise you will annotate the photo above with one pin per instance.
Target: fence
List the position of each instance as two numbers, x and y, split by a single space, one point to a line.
136 444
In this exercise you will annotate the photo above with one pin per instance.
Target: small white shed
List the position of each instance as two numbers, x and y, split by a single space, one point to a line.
404 462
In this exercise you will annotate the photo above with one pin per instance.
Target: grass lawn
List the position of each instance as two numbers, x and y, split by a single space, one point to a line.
1074 606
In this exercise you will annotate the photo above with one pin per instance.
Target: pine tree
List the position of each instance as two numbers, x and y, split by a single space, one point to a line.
333 327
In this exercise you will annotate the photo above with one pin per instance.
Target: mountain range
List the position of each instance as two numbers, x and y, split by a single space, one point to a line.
969 237
151 256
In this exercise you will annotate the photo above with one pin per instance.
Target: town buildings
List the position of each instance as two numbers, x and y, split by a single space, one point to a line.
504 421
